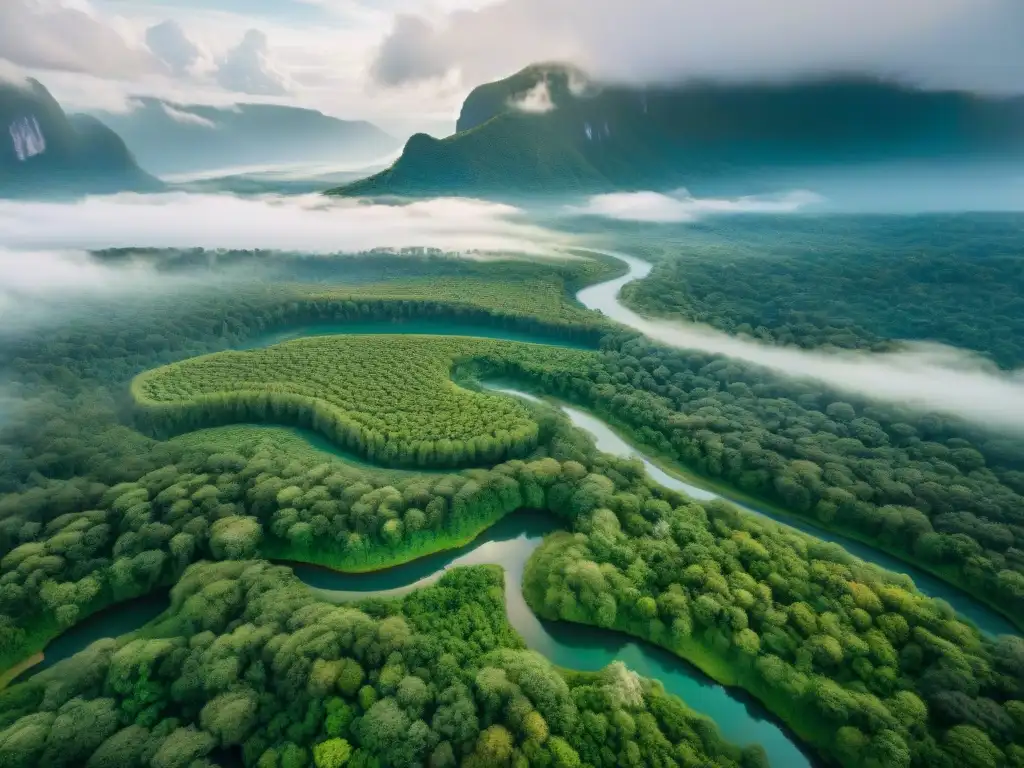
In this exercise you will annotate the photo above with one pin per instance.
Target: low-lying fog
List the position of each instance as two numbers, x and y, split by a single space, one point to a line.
42 268
308 223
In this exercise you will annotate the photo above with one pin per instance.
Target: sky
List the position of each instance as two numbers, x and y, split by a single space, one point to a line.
407 64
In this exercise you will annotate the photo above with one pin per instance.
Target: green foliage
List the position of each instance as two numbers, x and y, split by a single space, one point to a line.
230 664
388 398
332 753
850 282
93 513
767 608
927 488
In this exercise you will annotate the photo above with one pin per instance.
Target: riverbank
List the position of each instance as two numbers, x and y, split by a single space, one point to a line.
426 546
575 648
814 527
716 666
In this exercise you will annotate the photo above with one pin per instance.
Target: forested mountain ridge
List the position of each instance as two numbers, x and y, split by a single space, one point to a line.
44 151
548 129
169 137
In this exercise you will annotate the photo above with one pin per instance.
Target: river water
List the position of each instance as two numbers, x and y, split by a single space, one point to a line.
414 327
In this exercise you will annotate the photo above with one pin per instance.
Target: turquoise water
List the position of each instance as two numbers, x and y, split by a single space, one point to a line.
115 621
413 328
510 544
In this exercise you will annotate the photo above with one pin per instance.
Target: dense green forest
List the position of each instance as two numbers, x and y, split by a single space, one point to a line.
871 674
248 667
133 537
850 282
929 489
93 512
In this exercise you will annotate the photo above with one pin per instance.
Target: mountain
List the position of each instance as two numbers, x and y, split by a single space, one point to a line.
548 129
174 138
44 151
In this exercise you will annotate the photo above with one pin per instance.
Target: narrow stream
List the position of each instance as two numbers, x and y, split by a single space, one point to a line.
413 328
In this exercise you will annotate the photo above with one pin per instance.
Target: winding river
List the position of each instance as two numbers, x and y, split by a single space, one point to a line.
511 542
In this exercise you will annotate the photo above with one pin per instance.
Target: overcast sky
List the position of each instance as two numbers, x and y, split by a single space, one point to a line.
407 64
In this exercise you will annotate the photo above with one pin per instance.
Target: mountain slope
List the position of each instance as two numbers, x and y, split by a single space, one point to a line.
173 138
44 151
593 138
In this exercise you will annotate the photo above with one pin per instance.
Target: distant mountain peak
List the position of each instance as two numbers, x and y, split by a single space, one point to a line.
172 138
550 128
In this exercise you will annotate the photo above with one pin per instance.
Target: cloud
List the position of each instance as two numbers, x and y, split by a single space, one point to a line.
247 68
306 224
681 206
41 288
187 118
967 44
172 46
411 52
59 35
929 376
536 101
11 74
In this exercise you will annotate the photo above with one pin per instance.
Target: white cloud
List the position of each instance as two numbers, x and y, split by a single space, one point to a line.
187 118
41 288
307 224
971 44
169 43
61 35
536 101
681 206
11 74
248 68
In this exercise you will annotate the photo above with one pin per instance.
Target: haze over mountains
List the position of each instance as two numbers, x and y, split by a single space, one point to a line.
44 150
548 130
174 138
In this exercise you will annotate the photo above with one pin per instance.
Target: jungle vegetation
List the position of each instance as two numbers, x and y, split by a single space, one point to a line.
932 490
852 282
94 512
248 667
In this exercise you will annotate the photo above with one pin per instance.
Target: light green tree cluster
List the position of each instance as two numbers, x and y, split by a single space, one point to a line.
389 398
